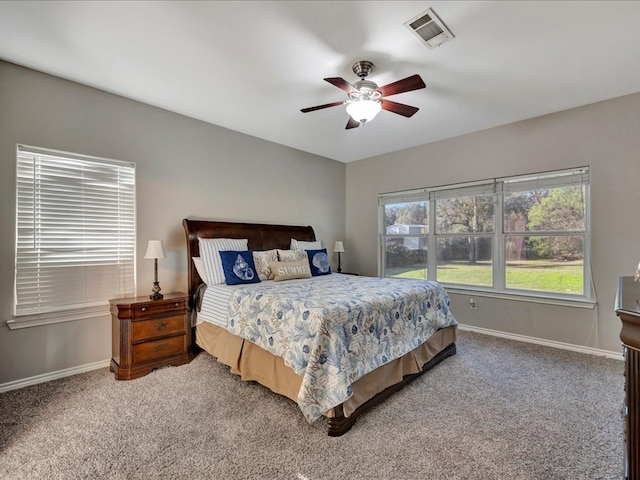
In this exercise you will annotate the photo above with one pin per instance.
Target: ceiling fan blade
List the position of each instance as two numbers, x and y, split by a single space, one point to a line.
320 107
342 84
399 108
352 123
414 82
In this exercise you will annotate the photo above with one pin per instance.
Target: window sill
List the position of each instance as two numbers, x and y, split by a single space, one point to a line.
57 317
531 298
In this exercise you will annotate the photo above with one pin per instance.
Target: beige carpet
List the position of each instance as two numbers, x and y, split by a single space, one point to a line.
498 409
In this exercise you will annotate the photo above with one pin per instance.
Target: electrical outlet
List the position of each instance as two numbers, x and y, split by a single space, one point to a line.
472 304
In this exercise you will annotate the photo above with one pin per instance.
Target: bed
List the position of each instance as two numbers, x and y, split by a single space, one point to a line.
331 378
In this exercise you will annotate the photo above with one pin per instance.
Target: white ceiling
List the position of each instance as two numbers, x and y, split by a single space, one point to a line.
251 66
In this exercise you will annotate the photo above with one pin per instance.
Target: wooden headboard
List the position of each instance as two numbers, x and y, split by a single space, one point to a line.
261 236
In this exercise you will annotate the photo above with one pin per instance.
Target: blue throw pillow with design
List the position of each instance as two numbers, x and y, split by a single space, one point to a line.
239 267
319 262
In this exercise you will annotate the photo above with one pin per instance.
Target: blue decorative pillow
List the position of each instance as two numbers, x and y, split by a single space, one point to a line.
239 267
319 262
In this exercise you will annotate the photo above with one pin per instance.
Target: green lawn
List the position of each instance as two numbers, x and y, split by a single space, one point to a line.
542 275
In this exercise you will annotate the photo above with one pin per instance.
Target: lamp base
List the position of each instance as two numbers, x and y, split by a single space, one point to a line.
156 295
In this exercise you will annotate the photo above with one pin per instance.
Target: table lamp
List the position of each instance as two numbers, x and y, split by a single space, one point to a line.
155 250
338 248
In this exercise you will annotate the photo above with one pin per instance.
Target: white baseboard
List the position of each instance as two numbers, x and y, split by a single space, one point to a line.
46 377
541 341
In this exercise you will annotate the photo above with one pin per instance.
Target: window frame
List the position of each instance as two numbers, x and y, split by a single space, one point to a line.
70 191
498 289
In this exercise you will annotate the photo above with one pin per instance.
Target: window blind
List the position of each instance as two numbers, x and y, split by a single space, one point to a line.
560 178
484 187
467 191
403 197
75 235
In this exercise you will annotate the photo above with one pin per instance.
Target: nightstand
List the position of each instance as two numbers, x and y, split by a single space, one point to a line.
148 334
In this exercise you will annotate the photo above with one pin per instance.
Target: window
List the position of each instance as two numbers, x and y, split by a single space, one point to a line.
525 235
407 226
464 235
75 232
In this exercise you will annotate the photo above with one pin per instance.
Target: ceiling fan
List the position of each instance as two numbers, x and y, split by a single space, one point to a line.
366 99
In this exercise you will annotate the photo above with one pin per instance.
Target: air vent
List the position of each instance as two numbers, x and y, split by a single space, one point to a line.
429 29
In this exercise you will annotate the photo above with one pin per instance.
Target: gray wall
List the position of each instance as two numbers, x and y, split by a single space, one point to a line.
185 168
605 136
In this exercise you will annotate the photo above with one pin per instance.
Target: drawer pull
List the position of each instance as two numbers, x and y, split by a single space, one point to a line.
160 326
160 346
143 309
177 304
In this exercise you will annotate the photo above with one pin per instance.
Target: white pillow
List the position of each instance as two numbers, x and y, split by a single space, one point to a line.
302 245
199 264
210 249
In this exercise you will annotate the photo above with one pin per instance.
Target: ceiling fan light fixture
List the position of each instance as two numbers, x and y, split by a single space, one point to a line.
366 98
364 110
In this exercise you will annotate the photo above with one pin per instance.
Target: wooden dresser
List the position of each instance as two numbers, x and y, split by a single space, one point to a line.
148 334
628 309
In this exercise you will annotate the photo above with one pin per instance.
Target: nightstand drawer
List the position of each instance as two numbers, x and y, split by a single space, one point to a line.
157 327
165 347
152 309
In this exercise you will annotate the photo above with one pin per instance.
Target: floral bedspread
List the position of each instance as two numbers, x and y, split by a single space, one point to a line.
334 329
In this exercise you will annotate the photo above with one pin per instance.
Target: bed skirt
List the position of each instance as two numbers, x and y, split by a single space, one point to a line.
253 363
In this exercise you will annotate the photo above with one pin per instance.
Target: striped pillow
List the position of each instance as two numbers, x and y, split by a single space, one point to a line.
210 249
301 245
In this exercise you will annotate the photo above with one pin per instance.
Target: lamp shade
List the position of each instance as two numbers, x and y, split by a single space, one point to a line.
155 249
364 110
338 247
